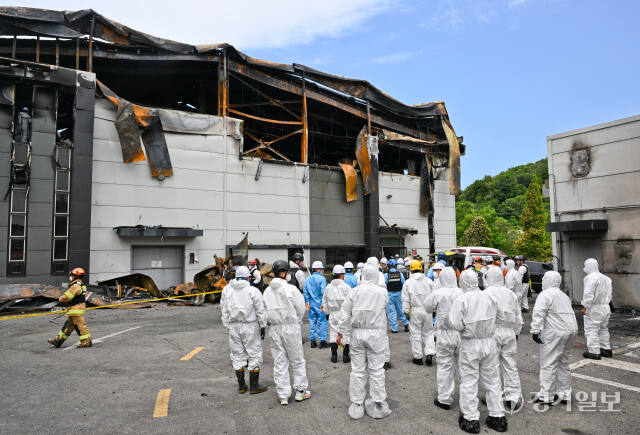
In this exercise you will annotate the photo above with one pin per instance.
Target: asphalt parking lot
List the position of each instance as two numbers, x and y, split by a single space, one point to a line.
114 386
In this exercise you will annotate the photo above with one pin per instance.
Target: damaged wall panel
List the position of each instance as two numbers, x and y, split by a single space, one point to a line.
351 181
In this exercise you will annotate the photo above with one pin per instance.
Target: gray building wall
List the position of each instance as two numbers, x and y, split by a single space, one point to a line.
608 191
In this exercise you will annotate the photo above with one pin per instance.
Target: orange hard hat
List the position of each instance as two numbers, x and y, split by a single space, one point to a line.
78 271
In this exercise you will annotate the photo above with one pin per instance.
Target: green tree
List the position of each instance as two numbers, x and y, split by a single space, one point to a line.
534 242
478 233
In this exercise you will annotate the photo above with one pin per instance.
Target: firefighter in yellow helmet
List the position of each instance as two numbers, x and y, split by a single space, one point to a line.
74 299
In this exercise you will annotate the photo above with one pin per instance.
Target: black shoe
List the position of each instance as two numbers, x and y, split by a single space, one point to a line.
538 399
314 344
242 386
429 360
345 354
406 328
510 405
469 426
499 424
556 400
386 366
323 345
607 353
334 352
590 355
394 332
524 310
440 404
254 386
417 361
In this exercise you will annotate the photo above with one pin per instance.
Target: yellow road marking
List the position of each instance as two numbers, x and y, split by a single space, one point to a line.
191 354
162 403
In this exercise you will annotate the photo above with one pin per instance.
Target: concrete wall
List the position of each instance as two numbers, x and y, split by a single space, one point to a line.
444 215
209 191
333 221
403 208
609 191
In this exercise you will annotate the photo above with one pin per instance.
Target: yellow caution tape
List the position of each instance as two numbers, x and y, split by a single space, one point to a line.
48 313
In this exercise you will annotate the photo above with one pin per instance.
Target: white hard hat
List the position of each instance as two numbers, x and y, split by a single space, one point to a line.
400 262
348 265
360 265
338 269
317 265
383 260
242 272
438 266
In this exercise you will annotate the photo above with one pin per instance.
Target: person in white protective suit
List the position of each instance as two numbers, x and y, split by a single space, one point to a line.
243 314
364 318
512 280
373 261
447 337
359 271
474 315
414 295
523 270
334 295
506 335
554 327
595 300
285 307
437 269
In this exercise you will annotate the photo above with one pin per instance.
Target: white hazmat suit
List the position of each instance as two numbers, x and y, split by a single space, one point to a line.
512 280
474 315
334 295
554 321
285 307
364 318
414 295
524 286
243 314
506 332
595 299
447 337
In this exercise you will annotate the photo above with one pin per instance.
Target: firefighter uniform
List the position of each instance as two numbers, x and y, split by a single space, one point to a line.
74 299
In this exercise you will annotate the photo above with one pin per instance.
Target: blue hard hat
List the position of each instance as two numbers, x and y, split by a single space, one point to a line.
392 262
442 256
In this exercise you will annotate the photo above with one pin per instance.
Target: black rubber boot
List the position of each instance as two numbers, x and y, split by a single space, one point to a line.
590 355
387 365
607 353
406 328
499 424
323 345
429 360
314 344
345 354
242 386
417 361
55 342
469 426
334 352
254 386
440 404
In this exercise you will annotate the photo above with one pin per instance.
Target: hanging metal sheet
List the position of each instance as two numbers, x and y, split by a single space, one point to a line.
364 162
351 180
157 151
454 157
128 133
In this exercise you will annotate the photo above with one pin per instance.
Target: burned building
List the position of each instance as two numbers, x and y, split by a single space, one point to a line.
595 207
125 152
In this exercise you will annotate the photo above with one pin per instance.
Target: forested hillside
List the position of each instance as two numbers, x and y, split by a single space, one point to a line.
500 201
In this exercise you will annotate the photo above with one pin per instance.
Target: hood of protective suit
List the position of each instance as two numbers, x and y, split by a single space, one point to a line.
469 280
370 274
373 261
551 279
590 265
336 282
448 278
277 283
238 284
510 265
495 278
418 276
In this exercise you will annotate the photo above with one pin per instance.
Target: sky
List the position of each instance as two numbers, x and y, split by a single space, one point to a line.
511 72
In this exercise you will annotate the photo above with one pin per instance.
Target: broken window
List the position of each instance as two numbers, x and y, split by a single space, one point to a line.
62 163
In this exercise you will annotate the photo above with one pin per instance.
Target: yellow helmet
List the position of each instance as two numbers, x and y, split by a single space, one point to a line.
415 265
